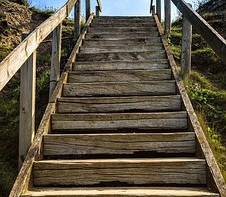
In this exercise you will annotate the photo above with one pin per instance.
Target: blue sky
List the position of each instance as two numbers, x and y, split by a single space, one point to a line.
111 7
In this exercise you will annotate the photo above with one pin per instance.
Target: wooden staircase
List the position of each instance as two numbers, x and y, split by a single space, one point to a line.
121 127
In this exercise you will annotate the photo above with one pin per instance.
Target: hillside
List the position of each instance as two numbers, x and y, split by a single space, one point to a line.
207 83
16 18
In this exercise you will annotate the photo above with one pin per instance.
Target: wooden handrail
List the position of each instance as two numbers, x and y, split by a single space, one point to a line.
99 5
211 36
14 61
151 6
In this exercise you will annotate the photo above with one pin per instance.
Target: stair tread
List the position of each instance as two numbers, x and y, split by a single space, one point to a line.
112 121
119 104
90 144
119 76
123 192
140 171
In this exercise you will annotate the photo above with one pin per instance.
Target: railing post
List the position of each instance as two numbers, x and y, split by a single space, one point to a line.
55 59
186 47
88 9
97 11
77 12
153 10
167 17
27 105
159 9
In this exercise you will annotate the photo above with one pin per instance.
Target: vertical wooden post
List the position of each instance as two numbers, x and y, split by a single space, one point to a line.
159 9
77 12
167 17
27 105
153 10
97 11
88 9
186 47
55 59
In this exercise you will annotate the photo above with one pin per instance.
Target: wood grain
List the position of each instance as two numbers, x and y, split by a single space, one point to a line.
122 35
160 54
163 120
121 65
104 49
119 76
122 192
119 144
130 171
119 104
120 88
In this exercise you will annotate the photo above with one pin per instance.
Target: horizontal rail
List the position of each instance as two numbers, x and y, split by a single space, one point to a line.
211 36
14 61
99 5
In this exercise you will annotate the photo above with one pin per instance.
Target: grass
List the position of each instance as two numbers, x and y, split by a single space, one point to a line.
9 105
206 88
206 98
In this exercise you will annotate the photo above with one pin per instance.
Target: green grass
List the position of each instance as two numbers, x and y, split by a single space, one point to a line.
206 99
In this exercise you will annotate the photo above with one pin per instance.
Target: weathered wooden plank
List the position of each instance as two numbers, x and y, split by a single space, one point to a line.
122 35
122 65
123 24
88 9
186 48
100 29
211 36
206 150
99 5
35 152
163 120
77 21
55 58
130 171
122 42
159 9
27 106
120 88
90 144
104 49
167 6
119 76
118 104
147 55
122 192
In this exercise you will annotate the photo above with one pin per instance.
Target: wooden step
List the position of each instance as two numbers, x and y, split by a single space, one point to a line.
115 121
136 24
122 192
122 35
147 88
102 49
119 144
122 42
128 171
119 104
111 56
119 76
120 30
124 19
122 65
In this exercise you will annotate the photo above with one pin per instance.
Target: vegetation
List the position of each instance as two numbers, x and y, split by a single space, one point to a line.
10 95
206 89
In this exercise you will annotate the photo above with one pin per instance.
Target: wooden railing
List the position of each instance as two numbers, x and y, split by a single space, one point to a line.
191 18
218 44
24 57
